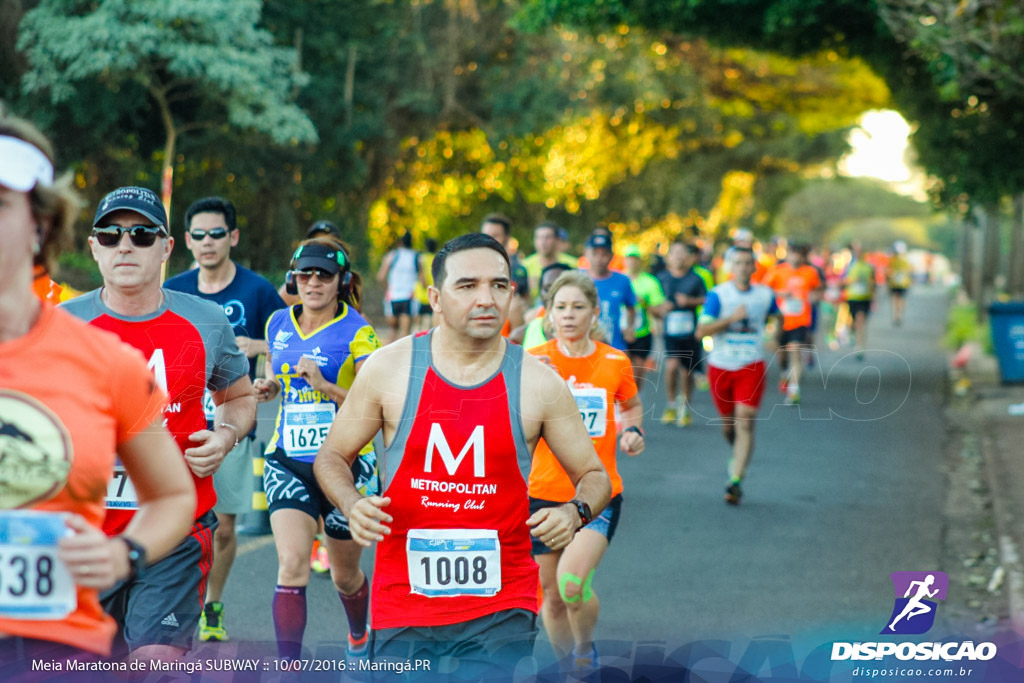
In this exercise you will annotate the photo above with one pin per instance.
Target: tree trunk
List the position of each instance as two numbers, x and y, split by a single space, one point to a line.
1015 279
989 257
170 141
967 258
452 59
350 82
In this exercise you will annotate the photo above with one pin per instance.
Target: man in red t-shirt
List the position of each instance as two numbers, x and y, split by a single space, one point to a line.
462 410
797 288
190 346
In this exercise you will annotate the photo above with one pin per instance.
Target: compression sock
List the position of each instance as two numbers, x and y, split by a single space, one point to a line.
356 606
289 608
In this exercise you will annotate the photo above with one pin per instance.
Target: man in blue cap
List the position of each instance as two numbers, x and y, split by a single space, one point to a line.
614 290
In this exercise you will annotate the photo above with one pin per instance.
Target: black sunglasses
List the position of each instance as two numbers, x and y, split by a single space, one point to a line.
304 276
140 235
215 233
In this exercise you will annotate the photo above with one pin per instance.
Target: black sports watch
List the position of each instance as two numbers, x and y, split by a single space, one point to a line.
634 429
586 516
136 557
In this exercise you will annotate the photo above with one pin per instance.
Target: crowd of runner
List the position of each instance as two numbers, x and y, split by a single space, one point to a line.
502 393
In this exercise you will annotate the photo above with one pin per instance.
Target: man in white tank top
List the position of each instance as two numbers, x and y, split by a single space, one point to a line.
401 270
741 318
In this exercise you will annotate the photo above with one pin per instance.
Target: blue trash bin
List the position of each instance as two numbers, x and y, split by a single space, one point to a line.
1007 323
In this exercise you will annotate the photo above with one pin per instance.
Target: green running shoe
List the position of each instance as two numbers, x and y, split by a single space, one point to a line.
211 623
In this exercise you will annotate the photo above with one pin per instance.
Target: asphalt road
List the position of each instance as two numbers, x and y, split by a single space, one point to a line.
843 490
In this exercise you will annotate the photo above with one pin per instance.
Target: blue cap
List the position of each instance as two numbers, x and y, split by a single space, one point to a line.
137 199
562 234
599 241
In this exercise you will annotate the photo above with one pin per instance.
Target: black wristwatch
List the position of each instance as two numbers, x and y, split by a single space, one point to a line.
634 429
136 557
586 517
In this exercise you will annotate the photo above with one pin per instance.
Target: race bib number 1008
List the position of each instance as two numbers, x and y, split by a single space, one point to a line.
445 563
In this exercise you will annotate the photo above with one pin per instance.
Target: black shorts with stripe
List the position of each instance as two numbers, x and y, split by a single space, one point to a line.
161 606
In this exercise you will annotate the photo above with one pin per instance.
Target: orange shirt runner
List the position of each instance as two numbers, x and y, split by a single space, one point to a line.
793 287
70 394
597 382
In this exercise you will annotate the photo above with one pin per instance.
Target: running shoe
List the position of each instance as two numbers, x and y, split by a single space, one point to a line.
733 493
356 651
318 560
585 663
211 623
669 416
783 385
685 419
793 399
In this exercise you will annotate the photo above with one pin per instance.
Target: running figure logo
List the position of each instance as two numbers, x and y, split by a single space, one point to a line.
916 595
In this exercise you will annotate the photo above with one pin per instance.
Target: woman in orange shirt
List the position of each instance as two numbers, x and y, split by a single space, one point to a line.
71 396
599 377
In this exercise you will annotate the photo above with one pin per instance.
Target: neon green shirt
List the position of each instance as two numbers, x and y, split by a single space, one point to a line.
648 293
860 281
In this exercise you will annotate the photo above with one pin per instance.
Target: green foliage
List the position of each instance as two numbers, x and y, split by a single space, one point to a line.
814 212
191 53
963 327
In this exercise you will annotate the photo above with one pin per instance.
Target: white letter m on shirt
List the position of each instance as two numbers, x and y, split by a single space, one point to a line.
438 442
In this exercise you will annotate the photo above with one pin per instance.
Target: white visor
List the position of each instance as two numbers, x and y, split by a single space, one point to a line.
22 165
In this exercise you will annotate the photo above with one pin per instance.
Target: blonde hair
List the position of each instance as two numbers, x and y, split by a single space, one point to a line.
582 282
57 204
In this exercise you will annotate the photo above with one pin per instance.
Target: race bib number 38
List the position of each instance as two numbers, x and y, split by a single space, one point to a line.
34 584
446 563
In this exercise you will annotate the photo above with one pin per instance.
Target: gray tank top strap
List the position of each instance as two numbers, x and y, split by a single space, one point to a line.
512 371
417 374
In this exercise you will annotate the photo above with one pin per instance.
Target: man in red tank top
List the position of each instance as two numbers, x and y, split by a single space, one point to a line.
461 410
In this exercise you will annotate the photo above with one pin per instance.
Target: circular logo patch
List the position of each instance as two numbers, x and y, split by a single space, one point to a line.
35 451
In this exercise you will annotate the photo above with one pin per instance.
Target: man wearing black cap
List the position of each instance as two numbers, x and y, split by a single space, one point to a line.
247 299
614 290
191 347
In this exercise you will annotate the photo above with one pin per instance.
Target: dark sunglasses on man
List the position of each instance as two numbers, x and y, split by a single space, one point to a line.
304 276
140 235
200 235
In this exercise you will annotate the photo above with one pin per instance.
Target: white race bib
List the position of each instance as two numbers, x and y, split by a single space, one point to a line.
859 289
679 324
446 563
305 427
120 490
593 405
792 305
208 406
741 347
34 584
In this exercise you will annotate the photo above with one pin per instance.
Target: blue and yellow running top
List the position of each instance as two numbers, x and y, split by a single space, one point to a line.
306 414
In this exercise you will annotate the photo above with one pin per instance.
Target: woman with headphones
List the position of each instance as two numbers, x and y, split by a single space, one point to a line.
316 349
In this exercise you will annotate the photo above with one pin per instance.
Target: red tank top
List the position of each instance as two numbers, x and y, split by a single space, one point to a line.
456 473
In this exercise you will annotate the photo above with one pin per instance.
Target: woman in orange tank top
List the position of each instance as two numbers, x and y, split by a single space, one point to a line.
599 377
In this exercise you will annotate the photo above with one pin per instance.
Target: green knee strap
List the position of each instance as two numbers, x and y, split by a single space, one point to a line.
586 593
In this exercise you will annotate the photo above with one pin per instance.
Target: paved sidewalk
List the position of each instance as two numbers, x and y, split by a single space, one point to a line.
1002 447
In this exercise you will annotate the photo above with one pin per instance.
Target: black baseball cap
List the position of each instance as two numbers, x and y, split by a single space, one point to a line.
328 258
599 241
323 227
137 199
